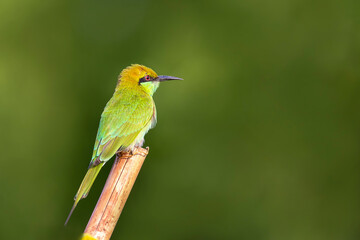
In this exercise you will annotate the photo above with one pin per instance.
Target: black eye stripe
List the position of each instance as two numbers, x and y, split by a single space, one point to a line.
141 80
146 78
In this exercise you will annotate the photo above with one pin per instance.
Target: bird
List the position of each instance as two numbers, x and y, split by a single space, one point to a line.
127 117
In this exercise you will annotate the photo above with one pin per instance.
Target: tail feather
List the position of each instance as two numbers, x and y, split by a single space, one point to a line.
85 186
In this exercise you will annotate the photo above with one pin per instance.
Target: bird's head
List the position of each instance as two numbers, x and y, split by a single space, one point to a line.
144 77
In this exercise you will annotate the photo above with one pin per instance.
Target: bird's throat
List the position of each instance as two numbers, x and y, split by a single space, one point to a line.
150 87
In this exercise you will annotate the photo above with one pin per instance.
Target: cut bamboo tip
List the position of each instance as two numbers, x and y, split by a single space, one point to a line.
117 188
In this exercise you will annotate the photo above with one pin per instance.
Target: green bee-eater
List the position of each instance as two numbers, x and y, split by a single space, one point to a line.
127 117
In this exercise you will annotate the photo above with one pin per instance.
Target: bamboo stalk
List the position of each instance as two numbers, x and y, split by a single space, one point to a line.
114 195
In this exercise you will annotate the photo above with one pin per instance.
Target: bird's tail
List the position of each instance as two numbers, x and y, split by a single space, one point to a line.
85 186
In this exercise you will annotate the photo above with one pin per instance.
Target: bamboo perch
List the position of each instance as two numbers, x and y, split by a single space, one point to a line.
113 197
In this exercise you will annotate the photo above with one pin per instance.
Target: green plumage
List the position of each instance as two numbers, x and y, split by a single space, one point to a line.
127 117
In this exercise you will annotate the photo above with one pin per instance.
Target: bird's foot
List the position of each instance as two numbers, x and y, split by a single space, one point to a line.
128 151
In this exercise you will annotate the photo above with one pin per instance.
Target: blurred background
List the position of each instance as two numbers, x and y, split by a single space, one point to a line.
261 140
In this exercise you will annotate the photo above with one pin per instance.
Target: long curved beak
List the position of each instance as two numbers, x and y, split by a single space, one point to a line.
163 78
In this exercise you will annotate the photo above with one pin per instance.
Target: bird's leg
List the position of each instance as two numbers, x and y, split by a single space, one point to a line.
128 150
131 149
120 153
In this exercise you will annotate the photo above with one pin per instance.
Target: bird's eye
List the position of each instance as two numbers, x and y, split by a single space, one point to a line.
147 78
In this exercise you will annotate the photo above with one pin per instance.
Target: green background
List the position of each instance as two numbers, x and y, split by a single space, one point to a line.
261 140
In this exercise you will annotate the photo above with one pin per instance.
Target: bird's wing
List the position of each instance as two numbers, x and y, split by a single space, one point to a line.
124 117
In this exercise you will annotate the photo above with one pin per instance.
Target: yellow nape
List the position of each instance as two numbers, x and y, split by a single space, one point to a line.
135 72
87 237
